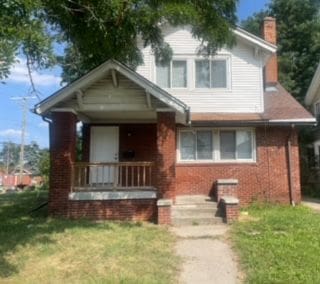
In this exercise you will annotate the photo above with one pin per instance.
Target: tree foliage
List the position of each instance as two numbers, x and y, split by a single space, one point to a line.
33 154
298 32
23 30
44 166
94 31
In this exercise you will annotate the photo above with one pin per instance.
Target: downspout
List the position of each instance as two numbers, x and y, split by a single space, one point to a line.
188 116
290 166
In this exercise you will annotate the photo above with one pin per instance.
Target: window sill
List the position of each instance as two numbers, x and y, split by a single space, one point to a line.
215 163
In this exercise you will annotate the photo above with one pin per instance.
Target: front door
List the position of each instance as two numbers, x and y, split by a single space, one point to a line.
104 148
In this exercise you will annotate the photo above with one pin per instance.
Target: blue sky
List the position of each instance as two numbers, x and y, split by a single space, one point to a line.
46 83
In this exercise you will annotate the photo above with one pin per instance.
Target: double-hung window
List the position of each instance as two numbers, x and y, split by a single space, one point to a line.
236 145
172 75
211 73
219 145
196 145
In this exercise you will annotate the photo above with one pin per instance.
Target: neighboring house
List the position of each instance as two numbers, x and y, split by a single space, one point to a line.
13 178
213 126
312 100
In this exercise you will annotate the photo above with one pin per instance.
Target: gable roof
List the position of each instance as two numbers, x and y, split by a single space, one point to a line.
44 106
257 41
313 87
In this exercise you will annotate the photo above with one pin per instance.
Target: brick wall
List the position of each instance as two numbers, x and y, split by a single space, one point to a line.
166 154
62 154
269 33
131 137
130 210
232 212
141 138
267 179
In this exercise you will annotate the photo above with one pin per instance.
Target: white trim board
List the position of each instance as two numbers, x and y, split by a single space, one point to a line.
116 195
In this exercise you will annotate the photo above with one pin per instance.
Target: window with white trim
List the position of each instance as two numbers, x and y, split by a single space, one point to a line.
172 75
220 145
211 73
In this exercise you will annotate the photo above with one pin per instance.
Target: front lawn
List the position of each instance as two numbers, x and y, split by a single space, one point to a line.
279 244
38 249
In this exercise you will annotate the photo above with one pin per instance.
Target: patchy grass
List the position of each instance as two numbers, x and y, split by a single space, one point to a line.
38 249
279 245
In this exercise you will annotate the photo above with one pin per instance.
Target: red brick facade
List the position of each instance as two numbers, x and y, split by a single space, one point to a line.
164 215
232 212
266 180
166 154
62 155
226 189
125 210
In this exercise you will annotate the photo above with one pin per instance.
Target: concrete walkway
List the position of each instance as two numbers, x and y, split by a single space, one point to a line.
313 203
207 256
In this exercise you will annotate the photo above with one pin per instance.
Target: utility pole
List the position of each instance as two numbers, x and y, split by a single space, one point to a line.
24 104
8 157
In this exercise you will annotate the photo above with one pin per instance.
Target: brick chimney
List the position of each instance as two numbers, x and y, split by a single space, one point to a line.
269 33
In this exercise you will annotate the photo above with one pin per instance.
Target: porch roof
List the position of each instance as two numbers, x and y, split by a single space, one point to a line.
112 67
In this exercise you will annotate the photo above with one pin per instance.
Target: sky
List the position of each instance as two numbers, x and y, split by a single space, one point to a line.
47 82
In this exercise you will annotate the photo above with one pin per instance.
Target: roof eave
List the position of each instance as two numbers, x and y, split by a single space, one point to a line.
255 40
44 107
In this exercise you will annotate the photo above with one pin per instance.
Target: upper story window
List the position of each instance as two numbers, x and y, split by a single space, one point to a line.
211 73
172 75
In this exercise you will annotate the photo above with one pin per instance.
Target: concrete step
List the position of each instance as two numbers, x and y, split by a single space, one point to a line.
192 199
195 210
177 212
208 205
189 221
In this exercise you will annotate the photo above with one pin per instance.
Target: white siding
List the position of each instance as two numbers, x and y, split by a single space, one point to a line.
245 92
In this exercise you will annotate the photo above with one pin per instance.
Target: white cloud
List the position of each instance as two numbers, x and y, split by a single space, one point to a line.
10 133
19 74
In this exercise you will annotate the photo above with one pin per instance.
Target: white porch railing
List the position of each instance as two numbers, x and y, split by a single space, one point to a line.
111 176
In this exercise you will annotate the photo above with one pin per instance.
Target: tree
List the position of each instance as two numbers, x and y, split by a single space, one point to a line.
298 32
23 30
44 166
99 30
10 155
95 31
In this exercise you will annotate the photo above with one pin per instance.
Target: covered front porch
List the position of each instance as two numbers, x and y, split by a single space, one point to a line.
124 159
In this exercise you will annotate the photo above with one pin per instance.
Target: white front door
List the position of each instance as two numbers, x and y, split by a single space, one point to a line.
104 147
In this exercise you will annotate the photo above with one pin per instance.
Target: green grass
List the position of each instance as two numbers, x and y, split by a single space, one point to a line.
38 249
279 245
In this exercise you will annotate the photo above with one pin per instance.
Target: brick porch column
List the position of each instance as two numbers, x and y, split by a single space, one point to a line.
166 154
62 154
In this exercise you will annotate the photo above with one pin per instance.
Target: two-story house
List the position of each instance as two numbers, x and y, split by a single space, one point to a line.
200 126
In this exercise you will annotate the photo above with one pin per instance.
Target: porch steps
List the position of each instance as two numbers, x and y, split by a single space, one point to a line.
195 210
